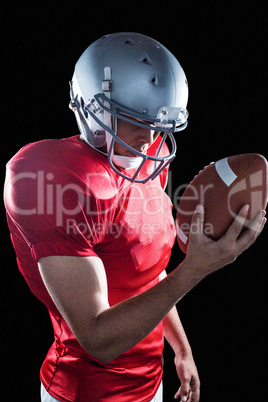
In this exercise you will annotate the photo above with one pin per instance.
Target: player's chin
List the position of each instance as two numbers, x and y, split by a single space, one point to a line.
133 155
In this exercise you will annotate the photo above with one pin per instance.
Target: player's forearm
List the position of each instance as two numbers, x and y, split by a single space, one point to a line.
175 334
174 331
122 326
136 317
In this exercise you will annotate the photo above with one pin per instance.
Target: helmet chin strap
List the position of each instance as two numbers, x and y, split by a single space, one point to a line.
124 162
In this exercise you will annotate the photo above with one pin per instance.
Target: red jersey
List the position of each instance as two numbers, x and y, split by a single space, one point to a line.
63 198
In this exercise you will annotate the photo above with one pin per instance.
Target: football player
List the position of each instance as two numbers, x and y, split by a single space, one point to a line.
93 229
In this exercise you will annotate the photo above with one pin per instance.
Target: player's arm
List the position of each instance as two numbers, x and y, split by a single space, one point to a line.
184 361
78 288
174 331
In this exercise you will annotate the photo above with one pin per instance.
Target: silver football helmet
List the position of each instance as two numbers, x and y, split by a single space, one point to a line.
132 77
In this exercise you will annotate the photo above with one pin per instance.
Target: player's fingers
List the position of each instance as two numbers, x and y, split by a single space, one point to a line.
264 220
192 395
195 393
177 395
183 393
253 231
197 224
236 227
257 224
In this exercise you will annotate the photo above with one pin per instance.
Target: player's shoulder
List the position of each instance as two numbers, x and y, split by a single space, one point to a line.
67 153
68 161
40 150
48 149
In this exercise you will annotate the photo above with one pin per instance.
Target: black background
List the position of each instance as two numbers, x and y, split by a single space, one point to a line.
222 48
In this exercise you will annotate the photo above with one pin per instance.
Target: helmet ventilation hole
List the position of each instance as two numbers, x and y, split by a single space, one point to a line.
154 80
130 42
145 59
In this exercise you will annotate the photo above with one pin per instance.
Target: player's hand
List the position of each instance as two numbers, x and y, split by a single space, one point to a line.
190 385
212 255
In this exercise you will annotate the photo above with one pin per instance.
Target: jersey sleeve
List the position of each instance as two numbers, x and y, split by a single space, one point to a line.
56 212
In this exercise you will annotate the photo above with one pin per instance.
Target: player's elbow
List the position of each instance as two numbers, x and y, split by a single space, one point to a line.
97 342
99 350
